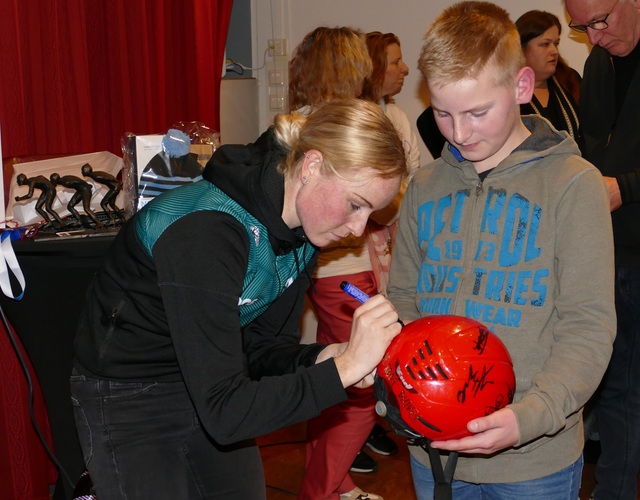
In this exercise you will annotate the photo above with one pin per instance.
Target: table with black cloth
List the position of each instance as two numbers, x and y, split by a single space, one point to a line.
57 272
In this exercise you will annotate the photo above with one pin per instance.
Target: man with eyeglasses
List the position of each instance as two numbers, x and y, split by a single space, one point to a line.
610 117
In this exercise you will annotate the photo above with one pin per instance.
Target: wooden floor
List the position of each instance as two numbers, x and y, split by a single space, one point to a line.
283 456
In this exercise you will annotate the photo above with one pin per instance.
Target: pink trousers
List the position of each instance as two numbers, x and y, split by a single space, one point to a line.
335 437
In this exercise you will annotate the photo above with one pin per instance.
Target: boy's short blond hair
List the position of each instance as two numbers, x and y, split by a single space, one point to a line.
467 37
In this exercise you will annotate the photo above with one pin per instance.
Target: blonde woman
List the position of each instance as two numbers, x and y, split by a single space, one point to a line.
207 282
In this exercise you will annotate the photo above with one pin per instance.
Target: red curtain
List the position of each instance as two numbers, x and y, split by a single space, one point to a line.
25 469
75 75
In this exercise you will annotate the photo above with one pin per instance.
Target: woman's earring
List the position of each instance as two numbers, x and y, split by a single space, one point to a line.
304 181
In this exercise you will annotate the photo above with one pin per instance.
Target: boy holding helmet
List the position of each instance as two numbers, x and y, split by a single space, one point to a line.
509 227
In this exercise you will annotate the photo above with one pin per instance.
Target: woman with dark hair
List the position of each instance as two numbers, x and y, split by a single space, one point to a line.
335 438
557 89
386 81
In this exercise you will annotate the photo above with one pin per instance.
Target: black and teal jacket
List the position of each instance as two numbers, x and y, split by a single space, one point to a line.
206 285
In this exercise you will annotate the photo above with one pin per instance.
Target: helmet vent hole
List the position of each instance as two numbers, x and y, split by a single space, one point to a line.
441 371
426 344
429 425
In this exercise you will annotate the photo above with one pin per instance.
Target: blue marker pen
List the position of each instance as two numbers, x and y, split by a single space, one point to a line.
358 294
354 291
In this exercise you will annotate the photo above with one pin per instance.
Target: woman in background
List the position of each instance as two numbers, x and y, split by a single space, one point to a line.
557 88
329 64
335 438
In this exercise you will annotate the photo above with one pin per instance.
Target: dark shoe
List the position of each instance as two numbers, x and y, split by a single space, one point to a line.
363 463
379 442
84 488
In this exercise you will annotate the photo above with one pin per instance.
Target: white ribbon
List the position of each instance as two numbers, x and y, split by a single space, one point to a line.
8 258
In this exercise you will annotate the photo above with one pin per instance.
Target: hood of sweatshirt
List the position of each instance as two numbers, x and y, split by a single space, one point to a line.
249 175
544 141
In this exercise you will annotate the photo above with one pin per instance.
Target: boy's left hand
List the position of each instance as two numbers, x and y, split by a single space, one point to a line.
492 433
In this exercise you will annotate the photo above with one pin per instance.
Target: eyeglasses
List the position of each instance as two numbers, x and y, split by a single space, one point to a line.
599 25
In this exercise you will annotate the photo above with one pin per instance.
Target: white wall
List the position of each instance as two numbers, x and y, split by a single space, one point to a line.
409 19
238 109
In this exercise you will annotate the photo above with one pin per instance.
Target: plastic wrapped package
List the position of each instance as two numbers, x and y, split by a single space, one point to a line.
159 162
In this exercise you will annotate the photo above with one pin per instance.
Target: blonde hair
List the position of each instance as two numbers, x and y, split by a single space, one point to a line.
352 135
467 37
329 63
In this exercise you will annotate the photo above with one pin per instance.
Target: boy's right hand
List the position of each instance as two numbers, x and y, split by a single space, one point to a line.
491 433
375 324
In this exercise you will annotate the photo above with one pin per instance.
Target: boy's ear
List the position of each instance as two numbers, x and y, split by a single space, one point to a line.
525 84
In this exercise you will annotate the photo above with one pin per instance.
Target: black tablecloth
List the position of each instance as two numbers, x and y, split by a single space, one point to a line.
57 273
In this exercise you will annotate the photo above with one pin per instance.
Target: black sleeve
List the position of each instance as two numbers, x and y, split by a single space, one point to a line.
430 133
201 262
629 186
273 345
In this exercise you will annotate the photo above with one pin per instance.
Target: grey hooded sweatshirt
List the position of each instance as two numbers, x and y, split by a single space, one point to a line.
528 252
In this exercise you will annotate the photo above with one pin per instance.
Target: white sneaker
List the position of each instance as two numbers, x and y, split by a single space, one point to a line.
358 494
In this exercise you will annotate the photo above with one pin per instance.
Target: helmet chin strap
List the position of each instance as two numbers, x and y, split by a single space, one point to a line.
443 476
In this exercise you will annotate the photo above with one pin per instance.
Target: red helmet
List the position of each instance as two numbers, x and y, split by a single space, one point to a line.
441 372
